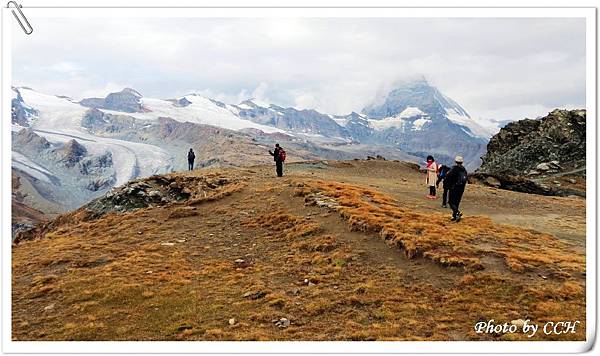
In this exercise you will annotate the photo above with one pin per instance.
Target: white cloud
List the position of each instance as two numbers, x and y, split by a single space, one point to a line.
494 67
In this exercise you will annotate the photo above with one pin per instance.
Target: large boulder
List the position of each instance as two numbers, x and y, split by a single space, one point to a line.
527 153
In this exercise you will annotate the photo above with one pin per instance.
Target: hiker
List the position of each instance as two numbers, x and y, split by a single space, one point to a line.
191 158
443 172
431 178
279 157
456 180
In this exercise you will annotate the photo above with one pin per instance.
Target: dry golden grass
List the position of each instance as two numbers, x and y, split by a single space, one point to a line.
170 273
433 236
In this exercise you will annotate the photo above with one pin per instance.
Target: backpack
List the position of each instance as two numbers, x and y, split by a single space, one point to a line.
281 155
443 172
462 178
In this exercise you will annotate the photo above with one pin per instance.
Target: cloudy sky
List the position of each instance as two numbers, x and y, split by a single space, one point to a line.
495 68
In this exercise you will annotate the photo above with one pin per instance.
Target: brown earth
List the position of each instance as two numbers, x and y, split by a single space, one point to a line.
342 250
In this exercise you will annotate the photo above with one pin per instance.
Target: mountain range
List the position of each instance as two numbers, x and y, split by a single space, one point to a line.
69 152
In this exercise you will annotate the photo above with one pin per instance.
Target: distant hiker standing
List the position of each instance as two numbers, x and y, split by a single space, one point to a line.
279 157
442 173
431 178
456 180
191 158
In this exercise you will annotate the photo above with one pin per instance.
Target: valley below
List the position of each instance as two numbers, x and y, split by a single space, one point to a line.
334 250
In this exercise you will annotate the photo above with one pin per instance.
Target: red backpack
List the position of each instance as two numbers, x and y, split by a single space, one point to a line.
281 155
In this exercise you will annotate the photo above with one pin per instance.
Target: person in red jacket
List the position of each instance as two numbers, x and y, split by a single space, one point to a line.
278 156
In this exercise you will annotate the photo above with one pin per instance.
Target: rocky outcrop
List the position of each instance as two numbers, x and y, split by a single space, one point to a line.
30 142
183 191
72 153
127 100
21 113
538 156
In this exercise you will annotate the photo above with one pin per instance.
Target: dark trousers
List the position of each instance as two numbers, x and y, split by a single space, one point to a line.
445 196
456 194
190 165
279 167
432 190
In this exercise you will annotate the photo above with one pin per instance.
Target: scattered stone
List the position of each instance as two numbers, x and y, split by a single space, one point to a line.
167 244
232 321
239 260
571 180
184 327
556 182
254 295
149 272
492 182
282 323
49 307
139 232
154 193
543 167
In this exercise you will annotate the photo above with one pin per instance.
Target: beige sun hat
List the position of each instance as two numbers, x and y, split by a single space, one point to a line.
458 159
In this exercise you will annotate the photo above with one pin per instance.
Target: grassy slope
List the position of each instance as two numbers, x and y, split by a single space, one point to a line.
114 278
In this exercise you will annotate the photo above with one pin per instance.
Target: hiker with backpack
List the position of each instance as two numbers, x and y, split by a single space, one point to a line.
279 157
443 172
431 178
191 158
457 180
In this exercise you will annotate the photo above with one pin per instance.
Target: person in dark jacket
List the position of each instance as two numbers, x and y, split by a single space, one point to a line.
277 158
456 179
191 158
443 172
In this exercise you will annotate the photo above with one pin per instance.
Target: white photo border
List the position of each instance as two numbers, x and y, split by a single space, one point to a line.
9 26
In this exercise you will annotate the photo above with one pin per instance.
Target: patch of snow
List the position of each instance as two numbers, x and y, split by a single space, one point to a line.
418 124
468 132
16 128
245 107
476 129
389 122
201 111
260 103
411 111
341 122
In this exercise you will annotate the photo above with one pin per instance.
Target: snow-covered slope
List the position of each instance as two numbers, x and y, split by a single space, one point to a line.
199 110
59 120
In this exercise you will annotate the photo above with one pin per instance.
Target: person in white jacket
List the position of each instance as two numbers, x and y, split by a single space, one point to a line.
432 175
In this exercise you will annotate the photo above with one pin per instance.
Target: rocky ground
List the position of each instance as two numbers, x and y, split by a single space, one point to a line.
338 250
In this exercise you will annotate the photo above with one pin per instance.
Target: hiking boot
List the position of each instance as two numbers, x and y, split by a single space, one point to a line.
453 218
458 216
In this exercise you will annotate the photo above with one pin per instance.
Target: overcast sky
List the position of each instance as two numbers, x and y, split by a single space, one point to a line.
495 68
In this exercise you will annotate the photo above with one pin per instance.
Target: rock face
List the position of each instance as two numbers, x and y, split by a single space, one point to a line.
525 155
21 113
127 100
